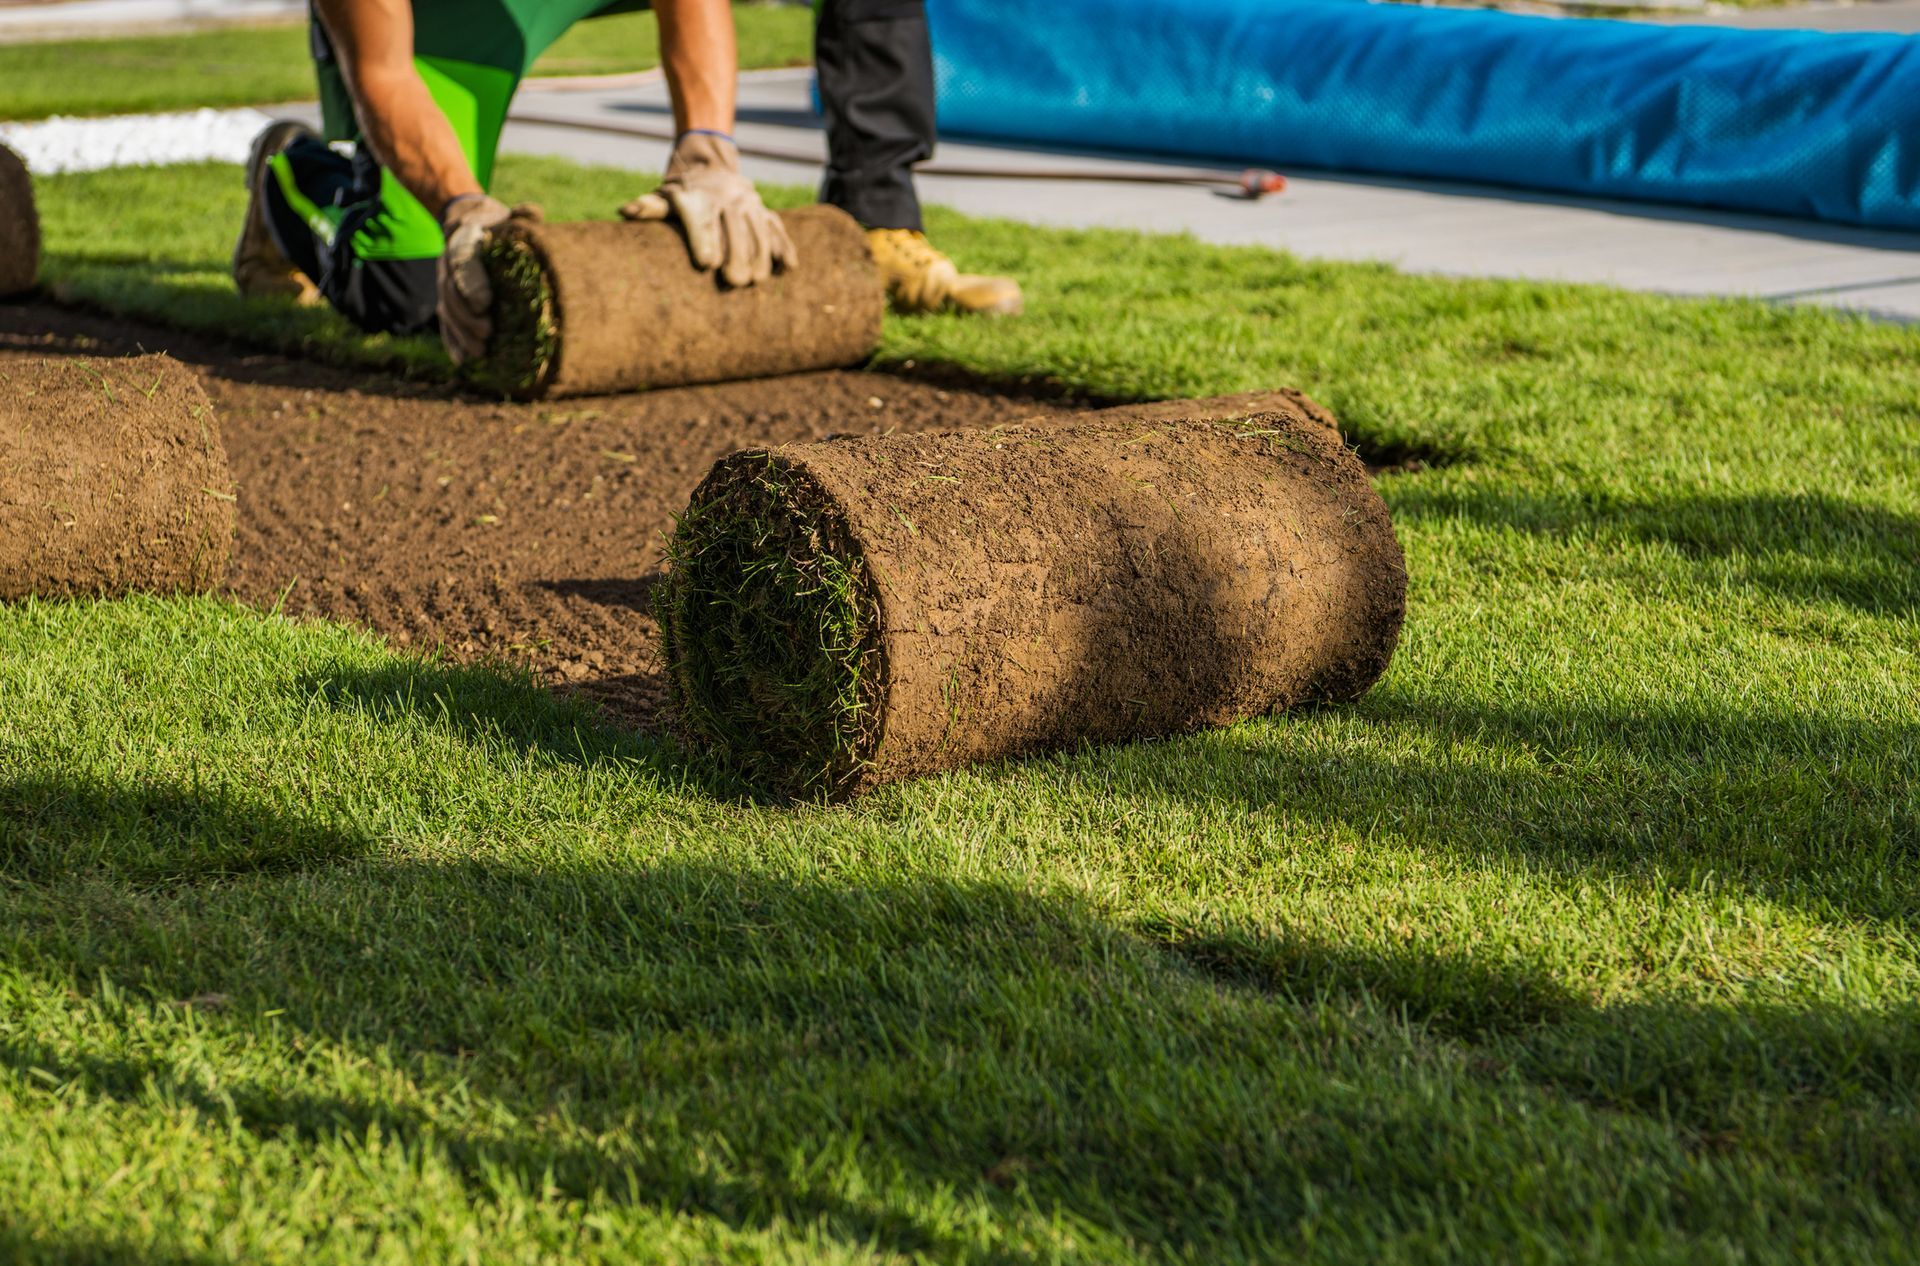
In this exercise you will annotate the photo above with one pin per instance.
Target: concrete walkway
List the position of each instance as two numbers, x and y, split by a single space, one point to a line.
1422 226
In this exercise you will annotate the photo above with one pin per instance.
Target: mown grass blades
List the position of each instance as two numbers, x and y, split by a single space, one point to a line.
768 625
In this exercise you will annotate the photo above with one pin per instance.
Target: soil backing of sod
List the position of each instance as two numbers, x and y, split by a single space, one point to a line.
596 307
112 478
487 531
842 614
19 227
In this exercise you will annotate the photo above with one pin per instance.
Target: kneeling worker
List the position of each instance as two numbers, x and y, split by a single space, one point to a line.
391 236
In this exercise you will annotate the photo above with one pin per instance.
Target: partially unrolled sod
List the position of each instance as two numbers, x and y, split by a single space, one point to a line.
112 478
595 307
19 227
839 614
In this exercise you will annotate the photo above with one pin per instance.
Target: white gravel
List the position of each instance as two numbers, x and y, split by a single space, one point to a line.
133 140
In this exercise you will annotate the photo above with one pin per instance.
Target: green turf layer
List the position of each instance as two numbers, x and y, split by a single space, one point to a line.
769 630
525 339
1592 933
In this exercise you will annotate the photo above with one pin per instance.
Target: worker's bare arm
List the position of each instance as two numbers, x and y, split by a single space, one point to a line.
697 49
398 118
726 224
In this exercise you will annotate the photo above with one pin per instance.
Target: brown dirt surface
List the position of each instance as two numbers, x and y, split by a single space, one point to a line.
529 533
1139 571
630 312
112 478
19 227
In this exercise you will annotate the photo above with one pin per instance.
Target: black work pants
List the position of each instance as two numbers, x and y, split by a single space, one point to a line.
875 68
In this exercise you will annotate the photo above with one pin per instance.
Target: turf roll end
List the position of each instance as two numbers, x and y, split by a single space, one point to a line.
521 352
841 614
112 479
19 227
606 306
770 624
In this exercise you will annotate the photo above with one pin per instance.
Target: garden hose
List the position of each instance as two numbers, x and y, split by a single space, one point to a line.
1252 183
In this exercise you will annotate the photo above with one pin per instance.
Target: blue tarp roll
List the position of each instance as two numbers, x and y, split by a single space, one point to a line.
1796 123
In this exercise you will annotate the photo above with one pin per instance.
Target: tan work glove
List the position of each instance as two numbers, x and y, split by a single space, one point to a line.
465 294
726 224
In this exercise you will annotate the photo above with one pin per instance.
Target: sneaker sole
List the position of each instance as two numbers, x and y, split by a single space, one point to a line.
248 257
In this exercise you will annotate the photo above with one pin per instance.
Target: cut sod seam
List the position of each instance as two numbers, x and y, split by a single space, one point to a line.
770 630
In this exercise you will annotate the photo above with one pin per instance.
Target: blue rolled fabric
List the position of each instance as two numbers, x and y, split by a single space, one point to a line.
1797 123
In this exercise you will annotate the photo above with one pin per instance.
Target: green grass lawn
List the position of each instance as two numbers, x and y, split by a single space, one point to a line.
258 64
1588 934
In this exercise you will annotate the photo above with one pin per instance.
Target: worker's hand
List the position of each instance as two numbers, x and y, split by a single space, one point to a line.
726 224
465 293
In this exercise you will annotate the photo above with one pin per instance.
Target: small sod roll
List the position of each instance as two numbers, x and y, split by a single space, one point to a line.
112 478
19 227
596 307
840 614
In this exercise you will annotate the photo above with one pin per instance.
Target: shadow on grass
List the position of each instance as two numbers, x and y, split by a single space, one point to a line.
1715 1073
1808 546
502 706
777 1048
1462 998
25 1243
50 827
1817 813
1660 1057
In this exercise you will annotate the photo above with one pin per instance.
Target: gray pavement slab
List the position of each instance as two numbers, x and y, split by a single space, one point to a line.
1898 17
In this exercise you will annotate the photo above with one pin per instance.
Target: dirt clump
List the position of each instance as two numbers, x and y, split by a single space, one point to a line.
846 613
19 227
596 307
112 479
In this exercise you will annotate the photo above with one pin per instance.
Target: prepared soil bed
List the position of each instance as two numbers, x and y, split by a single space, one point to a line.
845 613
112 478
597 307
530 533
19 227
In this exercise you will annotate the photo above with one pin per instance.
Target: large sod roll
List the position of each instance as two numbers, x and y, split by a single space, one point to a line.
595 307
112 478
841 614
19 227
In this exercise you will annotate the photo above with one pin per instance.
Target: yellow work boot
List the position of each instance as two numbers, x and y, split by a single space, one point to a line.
259 268
921 279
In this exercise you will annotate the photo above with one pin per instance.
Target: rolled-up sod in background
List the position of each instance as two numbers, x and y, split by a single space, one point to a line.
19 227
112 478
839 614
595 307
